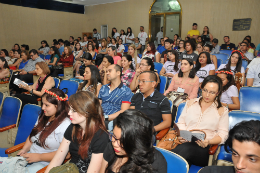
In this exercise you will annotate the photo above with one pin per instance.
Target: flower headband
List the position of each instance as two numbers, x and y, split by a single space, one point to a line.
55 95
227 72
239 53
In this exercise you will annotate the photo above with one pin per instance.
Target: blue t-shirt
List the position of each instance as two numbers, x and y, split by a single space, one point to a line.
61 49
22 64
161 49
112 101
258 47
159 46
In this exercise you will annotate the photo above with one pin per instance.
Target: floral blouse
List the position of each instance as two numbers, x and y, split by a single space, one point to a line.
127 77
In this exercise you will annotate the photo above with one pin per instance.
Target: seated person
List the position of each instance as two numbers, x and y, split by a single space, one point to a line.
137 44
20 63
151 52
121 47
65 60
145 65
229 96
235 64
253 78
168 44
172 67
151 102
16 57
243 142
162 48
44 49
246 55
91 50
86 137
208 48
92 81
42 144
107 61
36 90
128 71
227 45
160 45
204 67
4 54
215 47
111 51
115 97
132 152
189 46
10 59
80 68
133 52
185 81
25 47
205 113
193 33
4 70
55 56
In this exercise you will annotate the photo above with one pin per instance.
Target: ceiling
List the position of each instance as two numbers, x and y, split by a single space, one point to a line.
90 2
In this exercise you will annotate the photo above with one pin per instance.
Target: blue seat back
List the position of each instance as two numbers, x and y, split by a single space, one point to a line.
219 62
10 111
179 111
42 56
126 48
223 57
29 117
140 55
244 64
57 82
174 161
228 52
249 99
163 81
158 66
1 97
47 57
72 86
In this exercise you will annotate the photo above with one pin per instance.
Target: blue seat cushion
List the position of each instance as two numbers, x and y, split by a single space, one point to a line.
194 169
2 152
60 74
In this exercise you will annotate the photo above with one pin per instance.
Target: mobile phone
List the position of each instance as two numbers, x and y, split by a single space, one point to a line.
194 138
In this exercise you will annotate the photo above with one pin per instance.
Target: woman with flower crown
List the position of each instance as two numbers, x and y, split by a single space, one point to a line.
229 97
47 134
36 90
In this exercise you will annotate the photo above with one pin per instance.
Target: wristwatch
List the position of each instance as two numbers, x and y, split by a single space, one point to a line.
227 106
106 119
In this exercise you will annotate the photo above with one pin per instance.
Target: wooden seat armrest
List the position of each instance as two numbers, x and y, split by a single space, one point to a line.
68 66
213 149
7 127
162 133
4 82
14 148
35 74
27 92
39 99
43 169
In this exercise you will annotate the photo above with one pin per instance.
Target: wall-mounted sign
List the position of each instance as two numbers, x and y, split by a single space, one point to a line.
241 24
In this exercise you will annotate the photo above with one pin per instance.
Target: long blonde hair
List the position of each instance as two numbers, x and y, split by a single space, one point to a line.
135 55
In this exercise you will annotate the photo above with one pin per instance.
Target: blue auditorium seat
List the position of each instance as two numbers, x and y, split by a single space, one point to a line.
219 62
228 52
47 57
158 66
42 56
71 86
223 57
249 99
163 82
179 111
244 64
57 82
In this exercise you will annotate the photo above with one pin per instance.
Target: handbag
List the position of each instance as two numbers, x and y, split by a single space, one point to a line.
176 97
13 165
66 168
58 67
170 140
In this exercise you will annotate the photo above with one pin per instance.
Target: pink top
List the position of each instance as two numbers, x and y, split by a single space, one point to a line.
116 58
190 86
212 121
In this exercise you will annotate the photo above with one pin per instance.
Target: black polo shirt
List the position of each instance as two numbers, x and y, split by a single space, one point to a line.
218 169
153 106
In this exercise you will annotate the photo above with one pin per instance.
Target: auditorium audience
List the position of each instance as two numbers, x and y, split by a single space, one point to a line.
253 78
229 96
115 96
199 40
160 45
235 64
171 67
151 52
206 36
21 62
131 148
213 58
249 48
114 42
137 44
86 136
216 47
78 52
207 114
16 47
128 71
92 81
194 33
246 55
4 53
204 67
80 68
10 59
143 37
162 48
175 37
122 35
243 143
44 49
85 41
111 51
159 36
227 45
199 48
151 102
121 47
107 61
189 51
91 50
55 56
96 34
46 136
129 36
181 48
168 44
135 58
109 41
114 33
4 70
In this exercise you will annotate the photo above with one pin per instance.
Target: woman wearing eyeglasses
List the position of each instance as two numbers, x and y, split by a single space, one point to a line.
205 113
44 49
86 138
131 148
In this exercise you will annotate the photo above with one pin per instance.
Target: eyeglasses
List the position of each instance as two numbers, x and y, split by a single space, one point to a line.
112 138
31 55
209 92
143 81
143 64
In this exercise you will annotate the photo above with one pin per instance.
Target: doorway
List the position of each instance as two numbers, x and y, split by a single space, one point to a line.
104 33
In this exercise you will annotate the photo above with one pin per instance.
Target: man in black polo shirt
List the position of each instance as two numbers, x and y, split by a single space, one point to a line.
151 102
227 45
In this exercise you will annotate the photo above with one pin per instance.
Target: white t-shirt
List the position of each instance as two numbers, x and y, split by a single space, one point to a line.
249 55
153 57
142 37
254 72
159 35
138 61
226 97
131 37
232 68
120 47
116 34
123 38
169 67
110 44
84 43
255 61
10 60
52 141
203 72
